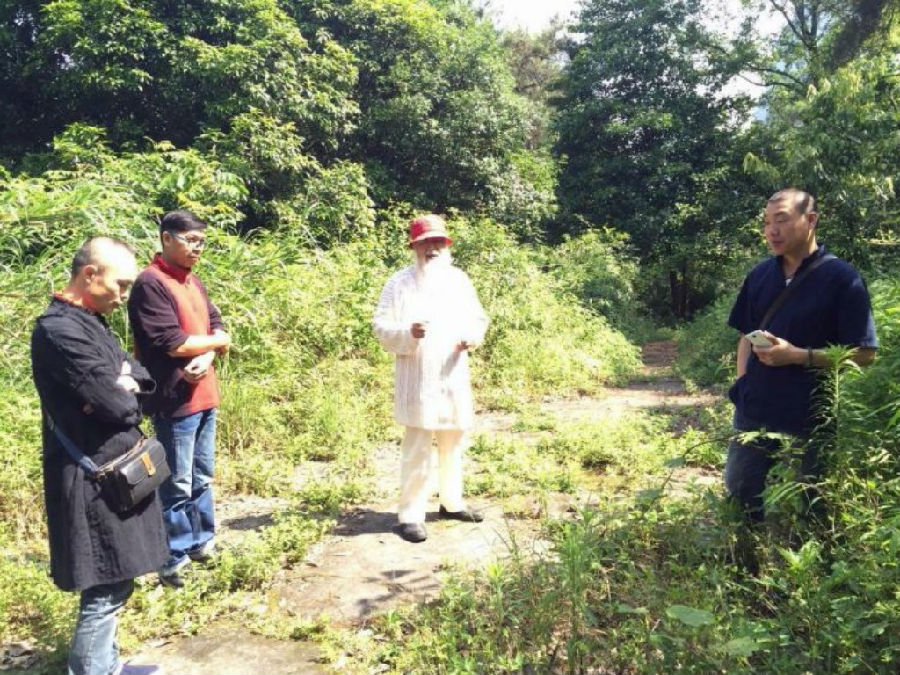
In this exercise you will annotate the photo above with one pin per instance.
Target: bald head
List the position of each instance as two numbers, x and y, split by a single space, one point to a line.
102 273
97 251
800 200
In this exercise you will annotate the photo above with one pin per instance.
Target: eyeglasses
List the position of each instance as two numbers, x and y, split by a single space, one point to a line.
190 243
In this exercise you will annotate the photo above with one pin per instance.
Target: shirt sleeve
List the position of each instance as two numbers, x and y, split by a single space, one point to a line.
740 318
154 317
215 317
141 375
76 361
393 334
855 321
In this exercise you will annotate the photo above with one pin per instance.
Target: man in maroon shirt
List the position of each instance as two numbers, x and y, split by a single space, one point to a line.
178 333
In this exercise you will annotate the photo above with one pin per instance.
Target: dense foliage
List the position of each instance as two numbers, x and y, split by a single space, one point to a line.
644 135
439 120
652 143
319 106
167 71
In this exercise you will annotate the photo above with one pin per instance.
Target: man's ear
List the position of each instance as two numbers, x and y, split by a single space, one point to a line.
89 270
813 219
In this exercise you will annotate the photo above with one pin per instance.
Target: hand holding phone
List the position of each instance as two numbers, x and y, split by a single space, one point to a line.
758 338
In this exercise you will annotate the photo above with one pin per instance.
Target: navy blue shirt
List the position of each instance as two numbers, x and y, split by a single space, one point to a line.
830 307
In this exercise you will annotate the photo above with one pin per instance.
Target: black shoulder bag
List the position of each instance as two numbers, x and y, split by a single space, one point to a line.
128 479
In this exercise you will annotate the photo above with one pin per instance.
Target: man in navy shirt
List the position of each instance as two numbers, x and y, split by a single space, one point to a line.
776 384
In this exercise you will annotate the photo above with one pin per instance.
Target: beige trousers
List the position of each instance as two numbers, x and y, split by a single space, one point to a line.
415 470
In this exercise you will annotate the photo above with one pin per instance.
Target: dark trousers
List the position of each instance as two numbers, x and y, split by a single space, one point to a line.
748 464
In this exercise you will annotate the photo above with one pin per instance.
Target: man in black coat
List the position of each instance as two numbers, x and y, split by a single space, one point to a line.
91 389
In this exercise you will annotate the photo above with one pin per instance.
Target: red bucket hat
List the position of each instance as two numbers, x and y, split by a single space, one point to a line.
430 226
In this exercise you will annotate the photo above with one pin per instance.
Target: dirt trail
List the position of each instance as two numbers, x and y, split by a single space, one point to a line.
362 568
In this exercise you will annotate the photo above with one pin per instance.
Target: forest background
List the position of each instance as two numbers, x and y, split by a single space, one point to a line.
604 185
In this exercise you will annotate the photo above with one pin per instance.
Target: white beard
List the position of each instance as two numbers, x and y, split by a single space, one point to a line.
433 269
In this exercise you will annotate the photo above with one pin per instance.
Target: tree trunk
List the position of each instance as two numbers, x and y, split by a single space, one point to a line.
683 297
678 291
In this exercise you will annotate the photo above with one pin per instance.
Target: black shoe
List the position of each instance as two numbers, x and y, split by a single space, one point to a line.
467 515
172 580
205 553
413 532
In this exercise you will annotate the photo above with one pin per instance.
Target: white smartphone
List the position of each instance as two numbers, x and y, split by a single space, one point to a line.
758 339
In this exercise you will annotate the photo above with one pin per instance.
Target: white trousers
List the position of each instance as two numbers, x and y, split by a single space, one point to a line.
415 470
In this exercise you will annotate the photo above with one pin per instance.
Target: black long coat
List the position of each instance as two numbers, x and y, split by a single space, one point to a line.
75 361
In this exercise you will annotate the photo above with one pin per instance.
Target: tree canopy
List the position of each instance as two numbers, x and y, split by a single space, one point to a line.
652 142
326 111
389 100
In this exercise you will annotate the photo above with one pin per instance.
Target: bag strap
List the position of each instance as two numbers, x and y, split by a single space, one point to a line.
785 294
85 462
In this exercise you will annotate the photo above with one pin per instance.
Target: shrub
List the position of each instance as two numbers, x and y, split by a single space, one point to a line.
707 346
540 339
600 270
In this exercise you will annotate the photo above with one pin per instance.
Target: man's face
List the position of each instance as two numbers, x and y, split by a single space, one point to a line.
183 248
428 250
787 230
108 281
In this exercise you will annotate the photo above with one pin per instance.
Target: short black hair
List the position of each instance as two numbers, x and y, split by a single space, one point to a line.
804 202
86 255
180 221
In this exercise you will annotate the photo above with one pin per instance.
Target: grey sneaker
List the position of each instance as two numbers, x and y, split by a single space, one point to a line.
169 573
134 669
172 580
467 515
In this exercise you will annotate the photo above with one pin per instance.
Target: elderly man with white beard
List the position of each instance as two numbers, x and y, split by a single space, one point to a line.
429 317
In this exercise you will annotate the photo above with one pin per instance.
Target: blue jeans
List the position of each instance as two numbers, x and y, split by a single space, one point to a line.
94 649
187 496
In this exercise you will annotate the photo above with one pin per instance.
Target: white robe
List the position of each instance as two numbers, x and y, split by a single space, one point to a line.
431 382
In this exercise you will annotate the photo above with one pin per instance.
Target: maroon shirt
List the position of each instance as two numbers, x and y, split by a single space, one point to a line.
166 306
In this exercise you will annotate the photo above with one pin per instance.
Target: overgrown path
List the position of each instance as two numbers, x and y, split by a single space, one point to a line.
362 568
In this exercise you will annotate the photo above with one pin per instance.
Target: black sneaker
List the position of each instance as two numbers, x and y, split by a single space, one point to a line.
412 532
466 515
171 579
